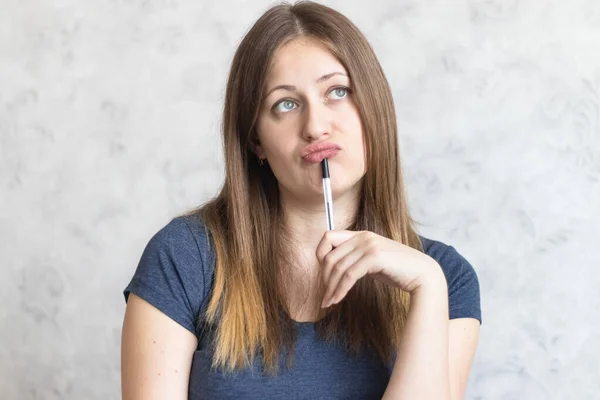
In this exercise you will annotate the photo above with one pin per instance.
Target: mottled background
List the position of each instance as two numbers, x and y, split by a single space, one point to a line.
109 126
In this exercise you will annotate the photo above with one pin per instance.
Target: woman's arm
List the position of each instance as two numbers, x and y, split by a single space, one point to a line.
463 337
435 355
421 367
156 354
432 361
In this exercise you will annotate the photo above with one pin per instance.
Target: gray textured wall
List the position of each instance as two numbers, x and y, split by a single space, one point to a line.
109 116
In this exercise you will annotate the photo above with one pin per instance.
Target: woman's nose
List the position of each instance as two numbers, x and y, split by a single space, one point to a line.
317 120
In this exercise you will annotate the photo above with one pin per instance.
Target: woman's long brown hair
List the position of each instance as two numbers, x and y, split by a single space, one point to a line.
248 307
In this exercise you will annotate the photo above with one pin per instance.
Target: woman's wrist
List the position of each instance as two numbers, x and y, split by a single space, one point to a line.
433 281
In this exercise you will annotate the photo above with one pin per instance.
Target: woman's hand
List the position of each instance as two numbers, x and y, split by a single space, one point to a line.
347 256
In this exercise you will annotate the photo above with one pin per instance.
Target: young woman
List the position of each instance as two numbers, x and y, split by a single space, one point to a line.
250 296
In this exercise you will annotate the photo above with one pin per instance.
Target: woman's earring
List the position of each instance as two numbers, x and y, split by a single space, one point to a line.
261 161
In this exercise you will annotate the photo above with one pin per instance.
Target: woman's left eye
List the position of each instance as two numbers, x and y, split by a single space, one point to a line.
284 106
341 92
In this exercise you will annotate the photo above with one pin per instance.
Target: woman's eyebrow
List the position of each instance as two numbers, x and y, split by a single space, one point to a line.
292 88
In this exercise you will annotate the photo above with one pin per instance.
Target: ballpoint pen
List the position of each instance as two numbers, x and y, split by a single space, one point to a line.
327 194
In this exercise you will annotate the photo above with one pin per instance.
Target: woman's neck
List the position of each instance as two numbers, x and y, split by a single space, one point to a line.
306 222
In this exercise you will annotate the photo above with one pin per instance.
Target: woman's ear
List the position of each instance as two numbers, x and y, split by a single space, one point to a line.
256 148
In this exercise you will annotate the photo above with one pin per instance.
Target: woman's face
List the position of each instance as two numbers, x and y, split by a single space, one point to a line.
309 101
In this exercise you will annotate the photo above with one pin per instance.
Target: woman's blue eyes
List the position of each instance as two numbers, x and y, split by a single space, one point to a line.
342 90
287 105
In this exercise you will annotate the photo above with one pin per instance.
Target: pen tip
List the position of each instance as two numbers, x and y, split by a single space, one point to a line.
325 168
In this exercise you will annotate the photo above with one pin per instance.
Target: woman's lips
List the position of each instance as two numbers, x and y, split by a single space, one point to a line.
318 156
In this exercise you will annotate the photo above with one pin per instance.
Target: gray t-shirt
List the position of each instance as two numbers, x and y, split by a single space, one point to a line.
175 274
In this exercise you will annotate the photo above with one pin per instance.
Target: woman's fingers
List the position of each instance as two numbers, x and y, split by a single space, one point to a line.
344 279
331 259
336 263
339 252
331 240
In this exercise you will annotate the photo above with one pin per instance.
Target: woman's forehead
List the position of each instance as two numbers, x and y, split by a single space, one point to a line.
302 58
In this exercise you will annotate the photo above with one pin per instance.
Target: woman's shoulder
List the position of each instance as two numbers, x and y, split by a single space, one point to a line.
445 254
462 279
433 248
187 230
174 272
184 236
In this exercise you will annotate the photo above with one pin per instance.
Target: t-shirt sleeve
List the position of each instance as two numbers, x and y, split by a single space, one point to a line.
463 285
170 274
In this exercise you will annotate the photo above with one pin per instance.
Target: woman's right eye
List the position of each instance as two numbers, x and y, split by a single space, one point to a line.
284 106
